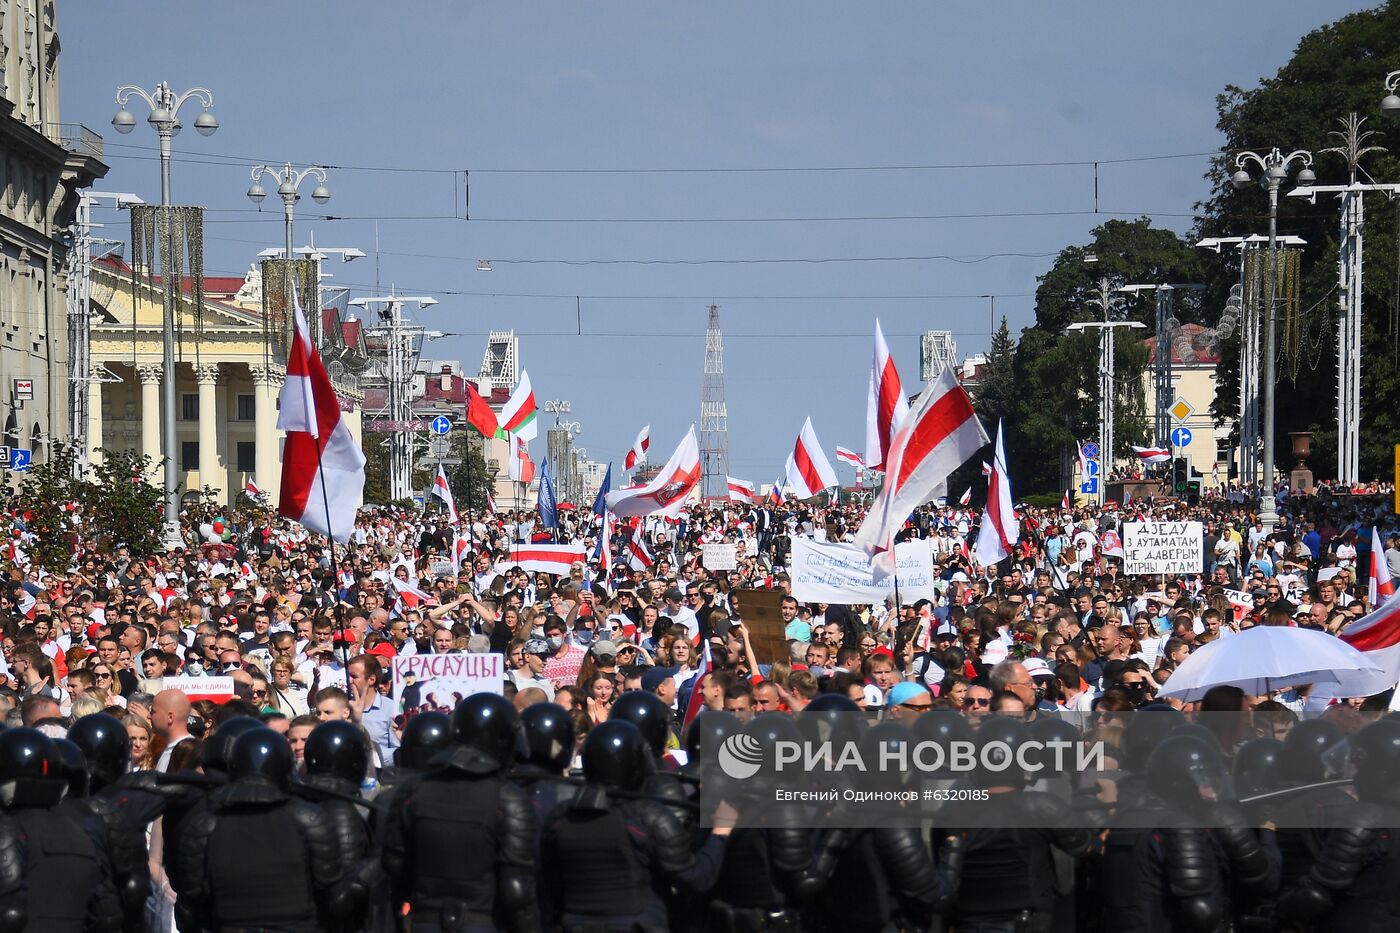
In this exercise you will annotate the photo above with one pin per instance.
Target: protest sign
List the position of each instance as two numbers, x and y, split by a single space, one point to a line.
824 572
438 681
218 689
1170 548
719 556
442 568
761 612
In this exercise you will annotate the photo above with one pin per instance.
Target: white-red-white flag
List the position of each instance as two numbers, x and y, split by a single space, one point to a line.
999 530
1064 500
885 405
808 470
1379 586
461 549
966 497
444 492
558 559
851 457
740 490
490 504
323 469
668 491
521 468
938 435
252 489
638 453
410 596
639 556
986 468
1151 454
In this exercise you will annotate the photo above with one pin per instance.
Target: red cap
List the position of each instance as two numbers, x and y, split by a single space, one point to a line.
93 629
882 650
383 650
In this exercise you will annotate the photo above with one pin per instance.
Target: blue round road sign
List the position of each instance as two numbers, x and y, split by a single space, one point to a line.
1091 451
440 425
1181 437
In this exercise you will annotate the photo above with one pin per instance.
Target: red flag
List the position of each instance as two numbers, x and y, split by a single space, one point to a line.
940 433
479 414
323 469
885 405
639 449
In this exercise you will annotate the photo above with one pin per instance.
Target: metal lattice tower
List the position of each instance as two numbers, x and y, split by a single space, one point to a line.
714 416
937 351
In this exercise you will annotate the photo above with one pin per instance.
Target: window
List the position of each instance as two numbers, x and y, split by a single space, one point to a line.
189 407
189 455
247 457
247 408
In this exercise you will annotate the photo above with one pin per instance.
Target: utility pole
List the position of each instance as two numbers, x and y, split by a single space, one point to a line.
81 373
403 344
1107 386
1349 295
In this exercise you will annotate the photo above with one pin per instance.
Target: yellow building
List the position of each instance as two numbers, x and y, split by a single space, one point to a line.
1193 380
226 382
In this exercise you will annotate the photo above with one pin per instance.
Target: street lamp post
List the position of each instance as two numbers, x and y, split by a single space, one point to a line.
1107 383
1275 166
288 185
165 107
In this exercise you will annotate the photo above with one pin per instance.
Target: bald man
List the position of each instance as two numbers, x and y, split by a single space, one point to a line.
170 714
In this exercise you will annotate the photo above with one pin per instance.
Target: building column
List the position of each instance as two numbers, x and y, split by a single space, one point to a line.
210 474
94 417
150 415
266 384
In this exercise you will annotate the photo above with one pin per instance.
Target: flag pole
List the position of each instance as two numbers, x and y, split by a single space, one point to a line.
335 569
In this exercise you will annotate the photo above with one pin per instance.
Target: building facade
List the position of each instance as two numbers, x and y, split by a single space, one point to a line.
1212 452
226 383
44 165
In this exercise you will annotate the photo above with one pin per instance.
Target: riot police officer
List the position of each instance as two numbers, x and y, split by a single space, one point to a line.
1353 883
123 849
424 736
547 753
292 883
336 758
66 884
460 842
615 850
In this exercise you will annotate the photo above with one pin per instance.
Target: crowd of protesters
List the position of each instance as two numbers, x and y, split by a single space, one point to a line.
1057 627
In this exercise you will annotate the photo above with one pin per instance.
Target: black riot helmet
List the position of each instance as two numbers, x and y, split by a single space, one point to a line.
706 732
30 770
886 750
768 729
1300 759
1375 751
216 752
261 755
105 744
831 703
941 728
649 713
549 736
1256 766
73 767
616 755
1145 730
1058 738
338 749
487 723
424 735
999 740
1185 769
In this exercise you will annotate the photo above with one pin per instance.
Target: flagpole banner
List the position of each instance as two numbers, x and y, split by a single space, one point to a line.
1163 547
843 573
425 682
719 556
545 558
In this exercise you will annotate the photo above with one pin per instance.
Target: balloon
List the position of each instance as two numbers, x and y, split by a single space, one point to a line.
205 530
218 527
213 538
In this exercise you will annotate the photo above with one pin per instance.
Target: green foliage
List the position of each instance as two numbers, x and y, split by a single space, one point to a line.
45 494
996 395
123 505
1334 70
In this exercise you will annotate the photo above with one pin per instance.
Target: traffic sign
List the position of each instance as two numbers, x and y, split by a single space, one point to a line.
1091 468
440 425
1091 451
1181 409
1090 487
1181 437
19 459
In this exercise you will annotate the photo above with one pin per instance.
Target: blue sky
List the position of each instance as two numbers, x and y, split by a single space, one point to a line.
508 90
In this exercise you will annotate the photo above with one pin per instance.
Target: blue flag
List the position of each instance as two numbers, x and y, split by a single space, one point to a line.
600 504
547 506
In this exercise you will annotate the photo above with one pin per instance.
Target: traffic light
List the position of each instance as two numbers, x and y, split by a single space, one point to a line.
1180 475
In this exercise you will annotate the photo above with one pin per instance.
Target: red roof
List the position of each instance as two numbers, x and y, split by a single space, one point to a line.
350 330
1199 339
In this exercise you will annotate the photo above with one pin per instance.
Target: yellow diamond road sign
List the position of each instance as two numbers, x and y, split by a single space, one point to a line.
1181 409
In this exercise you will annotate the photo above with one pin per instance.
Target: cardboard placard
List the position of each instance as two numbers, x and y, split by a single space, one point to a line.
440 680
719 556
760 611
1167 548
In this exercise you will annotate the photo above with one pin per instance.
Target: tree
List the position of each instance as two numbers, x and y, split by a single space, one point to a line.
125 507
47 496
1335 69
996 395
1056 371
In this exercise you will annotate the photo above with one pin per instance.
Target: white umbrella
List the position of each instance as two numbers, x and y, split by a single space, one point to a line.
1266 658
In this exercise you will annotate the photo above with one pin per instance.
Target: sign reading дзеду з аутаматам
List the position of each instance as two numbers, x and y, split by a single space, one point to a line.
1162 547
